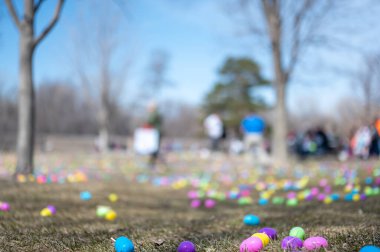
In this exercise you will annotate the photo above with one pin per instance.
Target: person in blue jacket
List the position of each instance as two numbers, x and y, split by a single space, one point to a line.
253 128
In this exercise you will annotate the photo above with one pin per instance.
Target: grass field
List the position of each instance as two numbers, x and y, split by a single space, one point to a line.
158 218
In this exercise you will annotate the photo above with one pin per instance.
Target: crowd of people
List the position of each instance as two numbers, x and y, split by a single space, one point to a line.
315 142
364 142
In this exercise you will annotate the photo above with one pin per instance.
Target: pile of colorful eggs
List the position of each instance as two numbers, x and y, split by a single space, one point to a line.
258 240
295 241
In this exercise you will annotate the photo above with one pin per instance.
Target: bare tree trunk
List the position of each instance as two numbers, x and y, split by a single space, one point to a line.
104 119
279 145
26 106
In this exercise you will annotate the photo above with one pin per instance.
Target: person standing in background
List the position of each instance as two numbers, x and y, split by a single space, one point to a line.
154 121
214 129
253 127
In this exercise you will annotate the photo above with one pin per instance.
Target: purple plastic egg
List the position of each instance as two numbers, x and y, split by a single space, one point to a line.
309 197
252 244
316 242
186 246
363 196
291 243
321 197
271 232
52 209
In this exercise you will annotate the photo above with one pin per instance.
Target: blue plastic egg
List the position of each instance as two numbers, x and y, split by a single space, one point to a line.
368 180
123 244
85 195
263 202
251 220
369 248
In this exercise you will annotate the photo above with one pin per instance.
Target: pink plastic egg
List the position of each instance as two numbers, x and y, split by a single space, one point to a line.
195 203
252 244
316 242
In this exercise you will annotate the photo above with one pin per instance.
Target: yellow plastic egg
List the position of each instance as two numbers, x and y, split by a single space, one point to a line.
263 237
327 200
111 215
356 197
46 212
113 197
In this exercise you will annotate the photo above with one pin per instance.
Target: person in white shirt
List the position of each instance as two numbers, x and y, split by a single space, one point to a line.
214 129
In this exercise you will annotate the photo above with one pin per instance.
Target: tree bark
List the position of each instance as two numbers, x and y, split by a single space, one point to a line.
104 116
26 104
279 144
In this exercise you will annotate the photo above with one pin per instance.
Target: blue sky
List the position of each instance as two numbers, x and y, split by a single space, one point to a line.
198 36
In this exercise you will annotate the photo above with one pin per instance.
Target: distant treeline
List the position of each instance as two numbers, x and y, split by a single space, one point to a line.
63 108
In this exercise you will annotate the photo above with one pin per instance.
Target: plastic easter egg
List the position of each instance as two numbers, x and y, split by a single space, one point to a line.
263 237
192 194
335 196
363 196
291 243
251 220
45 212
368 191
356 197
245 201
4 206
321 197
328 200
278 200
314 243
186 246
348 197
292 202
369 180
369 248
52 209
271 232
123 244
85 195
101 211
195 203
252 244
291 195
314 191
210 203
113 197
297 232
111 215
263 202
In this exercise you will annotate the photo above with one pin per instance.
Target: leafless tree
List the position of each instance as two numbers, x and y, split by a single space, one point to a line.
156 79
26 106
368 84
289 27
98 44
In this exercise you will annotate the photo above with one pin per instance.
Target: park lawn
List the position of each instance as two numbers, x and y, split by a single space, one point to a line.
159 218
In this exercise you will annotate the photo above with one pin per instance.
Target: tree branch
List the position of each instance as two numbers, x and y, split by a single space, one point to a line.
38 5
13 13
51 24
296 36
